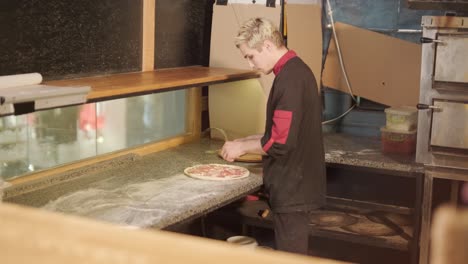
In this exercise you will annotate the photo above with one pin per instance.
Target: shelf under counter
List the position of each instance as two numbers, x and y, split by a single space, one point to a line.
122 85
345 223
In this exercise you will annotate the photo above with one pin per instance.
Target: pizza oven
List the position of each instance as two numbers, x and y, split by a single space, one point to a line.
442 142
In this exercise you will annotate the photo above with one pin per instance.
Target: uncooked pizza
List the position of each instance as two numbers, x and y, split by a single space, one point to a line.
217 172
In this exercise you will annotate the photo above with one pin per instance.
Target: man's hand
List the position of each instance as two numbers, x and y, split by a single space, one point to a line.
251 137
232 150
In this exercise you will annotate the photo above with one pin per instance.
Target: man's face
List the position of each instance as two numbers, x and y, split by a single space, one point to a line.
258 60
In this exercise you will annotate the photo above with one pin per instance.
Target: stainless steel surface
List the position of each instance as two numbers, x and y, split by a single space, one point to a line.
442 129
443 86
452 59
444 22
449 127
424 117
457 5
428 107
446 173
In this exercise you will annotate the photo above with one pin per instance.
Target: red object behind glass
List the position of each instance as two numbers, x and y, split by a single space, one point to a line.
88 118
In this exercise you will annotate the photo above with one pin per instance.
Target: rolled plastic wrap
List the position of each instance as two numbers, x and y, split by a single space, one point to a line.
20 80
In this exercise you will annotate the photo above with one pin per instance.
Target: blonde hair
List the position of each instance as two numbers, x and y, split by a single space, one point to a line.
255 31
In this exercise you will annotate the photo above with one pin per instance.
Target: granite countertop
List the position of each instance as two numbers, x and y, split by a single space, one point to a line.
152 191
366 152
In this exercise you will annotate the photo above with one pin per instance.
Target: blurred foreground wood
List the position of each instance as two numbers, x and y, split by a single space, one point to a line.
449 241
29 235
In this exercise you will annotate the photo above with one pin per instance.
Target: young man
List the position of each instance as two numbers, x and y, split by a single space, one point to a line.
293 161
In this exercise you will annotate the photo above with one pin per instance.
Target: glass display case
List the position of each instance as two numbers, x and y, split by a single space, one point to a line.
45 139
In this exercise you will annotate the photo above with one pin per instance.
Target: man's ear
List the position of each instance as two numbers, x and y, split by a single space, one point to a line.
268 45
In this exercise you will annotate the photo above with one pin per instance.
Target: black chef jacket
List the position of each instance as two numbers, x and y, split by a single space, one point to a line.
294 169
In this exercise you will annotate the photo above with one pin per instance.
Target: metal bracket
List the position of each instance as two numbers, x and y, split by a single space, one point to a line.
24 108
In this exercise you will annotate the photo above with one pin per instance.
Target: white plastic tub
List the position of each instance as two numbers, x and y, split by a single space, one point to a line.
243 241
403 118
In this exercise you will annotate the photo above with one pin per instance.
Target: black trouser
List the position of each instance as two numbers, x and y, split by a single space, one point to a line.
292 232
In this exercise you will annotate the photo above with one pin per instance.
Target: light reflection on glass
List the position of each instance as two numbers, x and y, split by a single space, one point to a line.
53 137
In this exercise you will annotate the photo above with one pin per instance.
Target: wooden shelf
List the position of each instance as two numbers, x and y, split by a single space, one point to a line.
400 240
139 83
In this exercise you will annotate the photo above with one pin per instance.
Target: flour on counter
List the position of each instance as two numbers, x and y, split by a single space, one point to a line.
140 204
368 152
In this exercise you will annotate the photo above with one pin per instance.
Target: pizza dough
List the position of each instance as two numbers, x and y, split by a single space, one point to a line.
217 172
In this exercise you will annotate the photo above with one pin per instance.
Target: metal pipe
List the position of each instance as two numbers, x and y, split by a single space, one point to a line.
409 31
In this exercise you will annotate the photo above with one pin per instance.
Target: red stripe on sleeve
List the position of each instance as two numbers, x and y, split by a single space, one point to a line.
268 145
281 124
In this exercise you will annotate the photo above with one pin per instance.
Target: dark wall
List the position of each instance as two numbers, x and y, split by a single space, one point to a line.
183 30
182 38
66 38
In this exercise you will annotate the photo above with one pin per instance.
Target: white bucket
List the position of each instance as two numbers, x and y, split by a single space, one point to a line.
264 248
243 241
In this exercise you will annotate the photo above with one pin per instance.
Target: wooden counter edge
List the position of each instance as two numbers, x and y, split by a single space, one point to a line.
31 235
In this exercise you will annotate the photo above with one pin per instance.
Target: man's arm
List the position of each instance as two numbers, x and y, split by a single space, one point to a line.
234 149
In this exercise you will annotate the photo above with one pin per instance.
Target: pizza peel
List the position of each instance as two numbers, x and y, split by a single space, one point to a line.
251 158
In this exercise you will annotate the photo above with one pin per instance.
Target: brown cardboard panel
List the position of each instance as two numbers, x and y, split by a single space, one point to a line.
238 108
304 29
380 68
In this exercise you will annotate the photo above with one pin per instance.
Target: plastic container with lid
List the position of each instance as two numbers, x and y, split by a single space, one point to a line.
404 118
394 141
